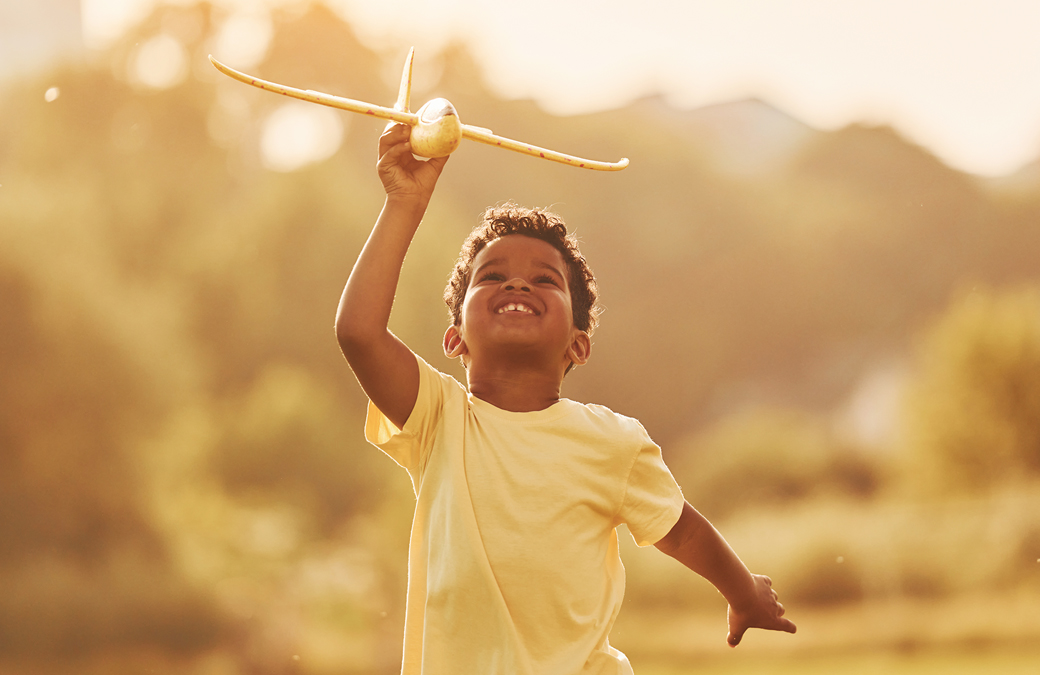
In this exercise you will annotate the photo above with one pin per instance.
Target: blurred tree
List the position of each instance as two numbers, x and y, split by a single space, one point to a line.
285 440
973 416
82 569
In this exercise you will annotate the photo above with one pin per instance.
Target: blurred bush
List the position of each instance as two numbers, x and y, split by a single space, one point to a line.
56 608
973 410
283 441
767 457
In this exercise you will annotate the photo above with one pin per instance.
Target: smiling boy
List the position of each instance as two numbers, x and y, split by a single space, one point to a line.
513 557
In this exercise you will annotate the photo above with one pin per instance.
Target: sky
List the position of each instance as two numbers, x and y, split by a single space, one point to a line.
960 77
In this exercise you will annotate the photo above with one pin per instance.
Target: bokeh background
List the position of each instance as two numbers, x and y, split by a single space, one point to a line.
831 325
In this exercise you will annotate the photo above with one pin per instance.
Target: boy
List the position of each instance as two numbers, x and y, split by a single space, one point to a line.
513 559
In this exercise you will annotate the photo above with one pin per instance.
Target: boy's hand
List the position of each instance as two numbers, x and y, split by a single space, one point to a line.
752 601
403 176
763 612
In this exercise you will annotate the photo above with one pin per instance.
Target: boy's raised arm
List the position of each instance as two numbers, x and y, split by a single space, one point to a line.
383 365
694 542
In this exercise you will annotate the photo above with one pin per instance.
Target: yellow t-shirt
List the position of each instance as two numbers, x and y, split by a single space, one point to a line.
513 564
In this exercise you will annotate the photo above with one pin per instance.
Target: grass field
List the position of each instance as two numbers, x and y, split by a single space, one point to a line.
978 634
1019 661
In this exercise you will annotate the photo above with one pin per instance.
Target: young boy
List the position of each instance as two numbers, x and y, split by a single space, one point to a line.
513 559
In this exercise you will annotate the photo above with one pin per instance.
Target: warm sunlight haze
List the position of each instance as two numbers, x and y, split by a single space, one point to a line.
298 133
962 79
821 290
160 63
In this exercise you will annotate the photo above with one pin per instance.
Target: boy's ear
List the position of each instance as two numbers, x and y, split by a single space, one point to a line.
454 345
580 348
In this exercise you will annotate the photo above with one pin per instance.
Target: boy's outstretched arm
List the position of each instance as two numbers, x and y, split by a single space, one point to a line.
383 365
694 542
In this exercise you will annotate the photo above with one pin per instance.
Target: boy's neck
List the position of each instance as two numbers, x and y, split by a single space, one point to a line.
515 390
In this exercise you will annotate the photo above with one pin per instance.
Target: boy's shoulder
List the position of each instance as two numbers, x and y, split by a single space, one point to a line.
611 421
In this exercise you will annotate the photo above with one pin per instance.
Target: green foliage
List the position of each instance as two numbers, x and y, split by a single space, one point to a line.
973 415
142 282
182 466
766 458
82 566
284 441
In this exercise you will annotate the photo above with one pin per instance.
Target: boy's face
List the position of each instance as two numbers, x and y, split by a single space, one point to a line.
519 301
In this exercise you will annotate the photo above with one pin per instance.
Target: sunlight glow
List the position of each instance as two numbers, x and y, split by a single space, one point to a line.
297 134
244 38
160 63
105 20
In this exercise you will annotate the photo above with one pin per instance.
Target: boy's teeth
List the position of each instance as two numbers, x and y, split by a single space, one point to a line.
513 307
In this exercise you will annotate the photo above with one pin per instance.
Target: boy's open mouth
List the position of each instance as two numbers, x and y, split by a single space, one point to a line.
515 307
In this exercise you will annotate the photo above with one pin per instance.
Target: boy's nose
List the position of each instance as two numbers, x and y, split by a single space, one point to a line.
516 284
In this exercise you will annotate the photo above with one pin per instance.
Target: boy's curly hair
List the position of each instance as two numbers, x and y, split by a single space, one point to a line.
510 218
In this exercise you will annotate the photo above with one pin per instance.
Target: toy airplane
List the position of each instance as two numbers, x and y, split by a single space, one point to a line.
436 129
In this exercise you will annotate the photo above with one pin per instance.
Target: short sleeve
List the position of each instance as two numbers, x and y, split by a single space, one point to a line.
410 446
653 500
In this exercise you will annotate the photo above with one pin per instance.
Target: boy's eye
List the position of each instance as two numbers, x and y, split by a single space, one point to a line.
546 279
491 276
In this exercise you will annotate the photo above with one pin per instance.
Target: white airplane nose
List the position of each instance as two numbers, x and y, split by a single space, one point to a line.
438 131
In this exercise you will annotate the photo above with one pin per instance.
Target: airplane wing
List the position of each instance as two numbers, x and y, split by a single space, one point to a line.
486 136
469 131
318 97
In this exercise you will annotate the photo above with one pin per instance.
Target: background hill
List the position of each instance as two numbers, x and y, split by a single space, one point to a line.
184 485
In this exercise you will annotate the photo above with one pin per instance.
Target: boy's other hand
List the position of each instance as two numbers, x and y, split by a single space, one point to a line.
764 612
403 176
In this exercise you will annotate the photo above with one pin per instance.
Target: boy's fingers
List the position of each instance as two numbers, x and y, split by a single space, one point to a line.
396 128
398 154
393 134
438 163
784 625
